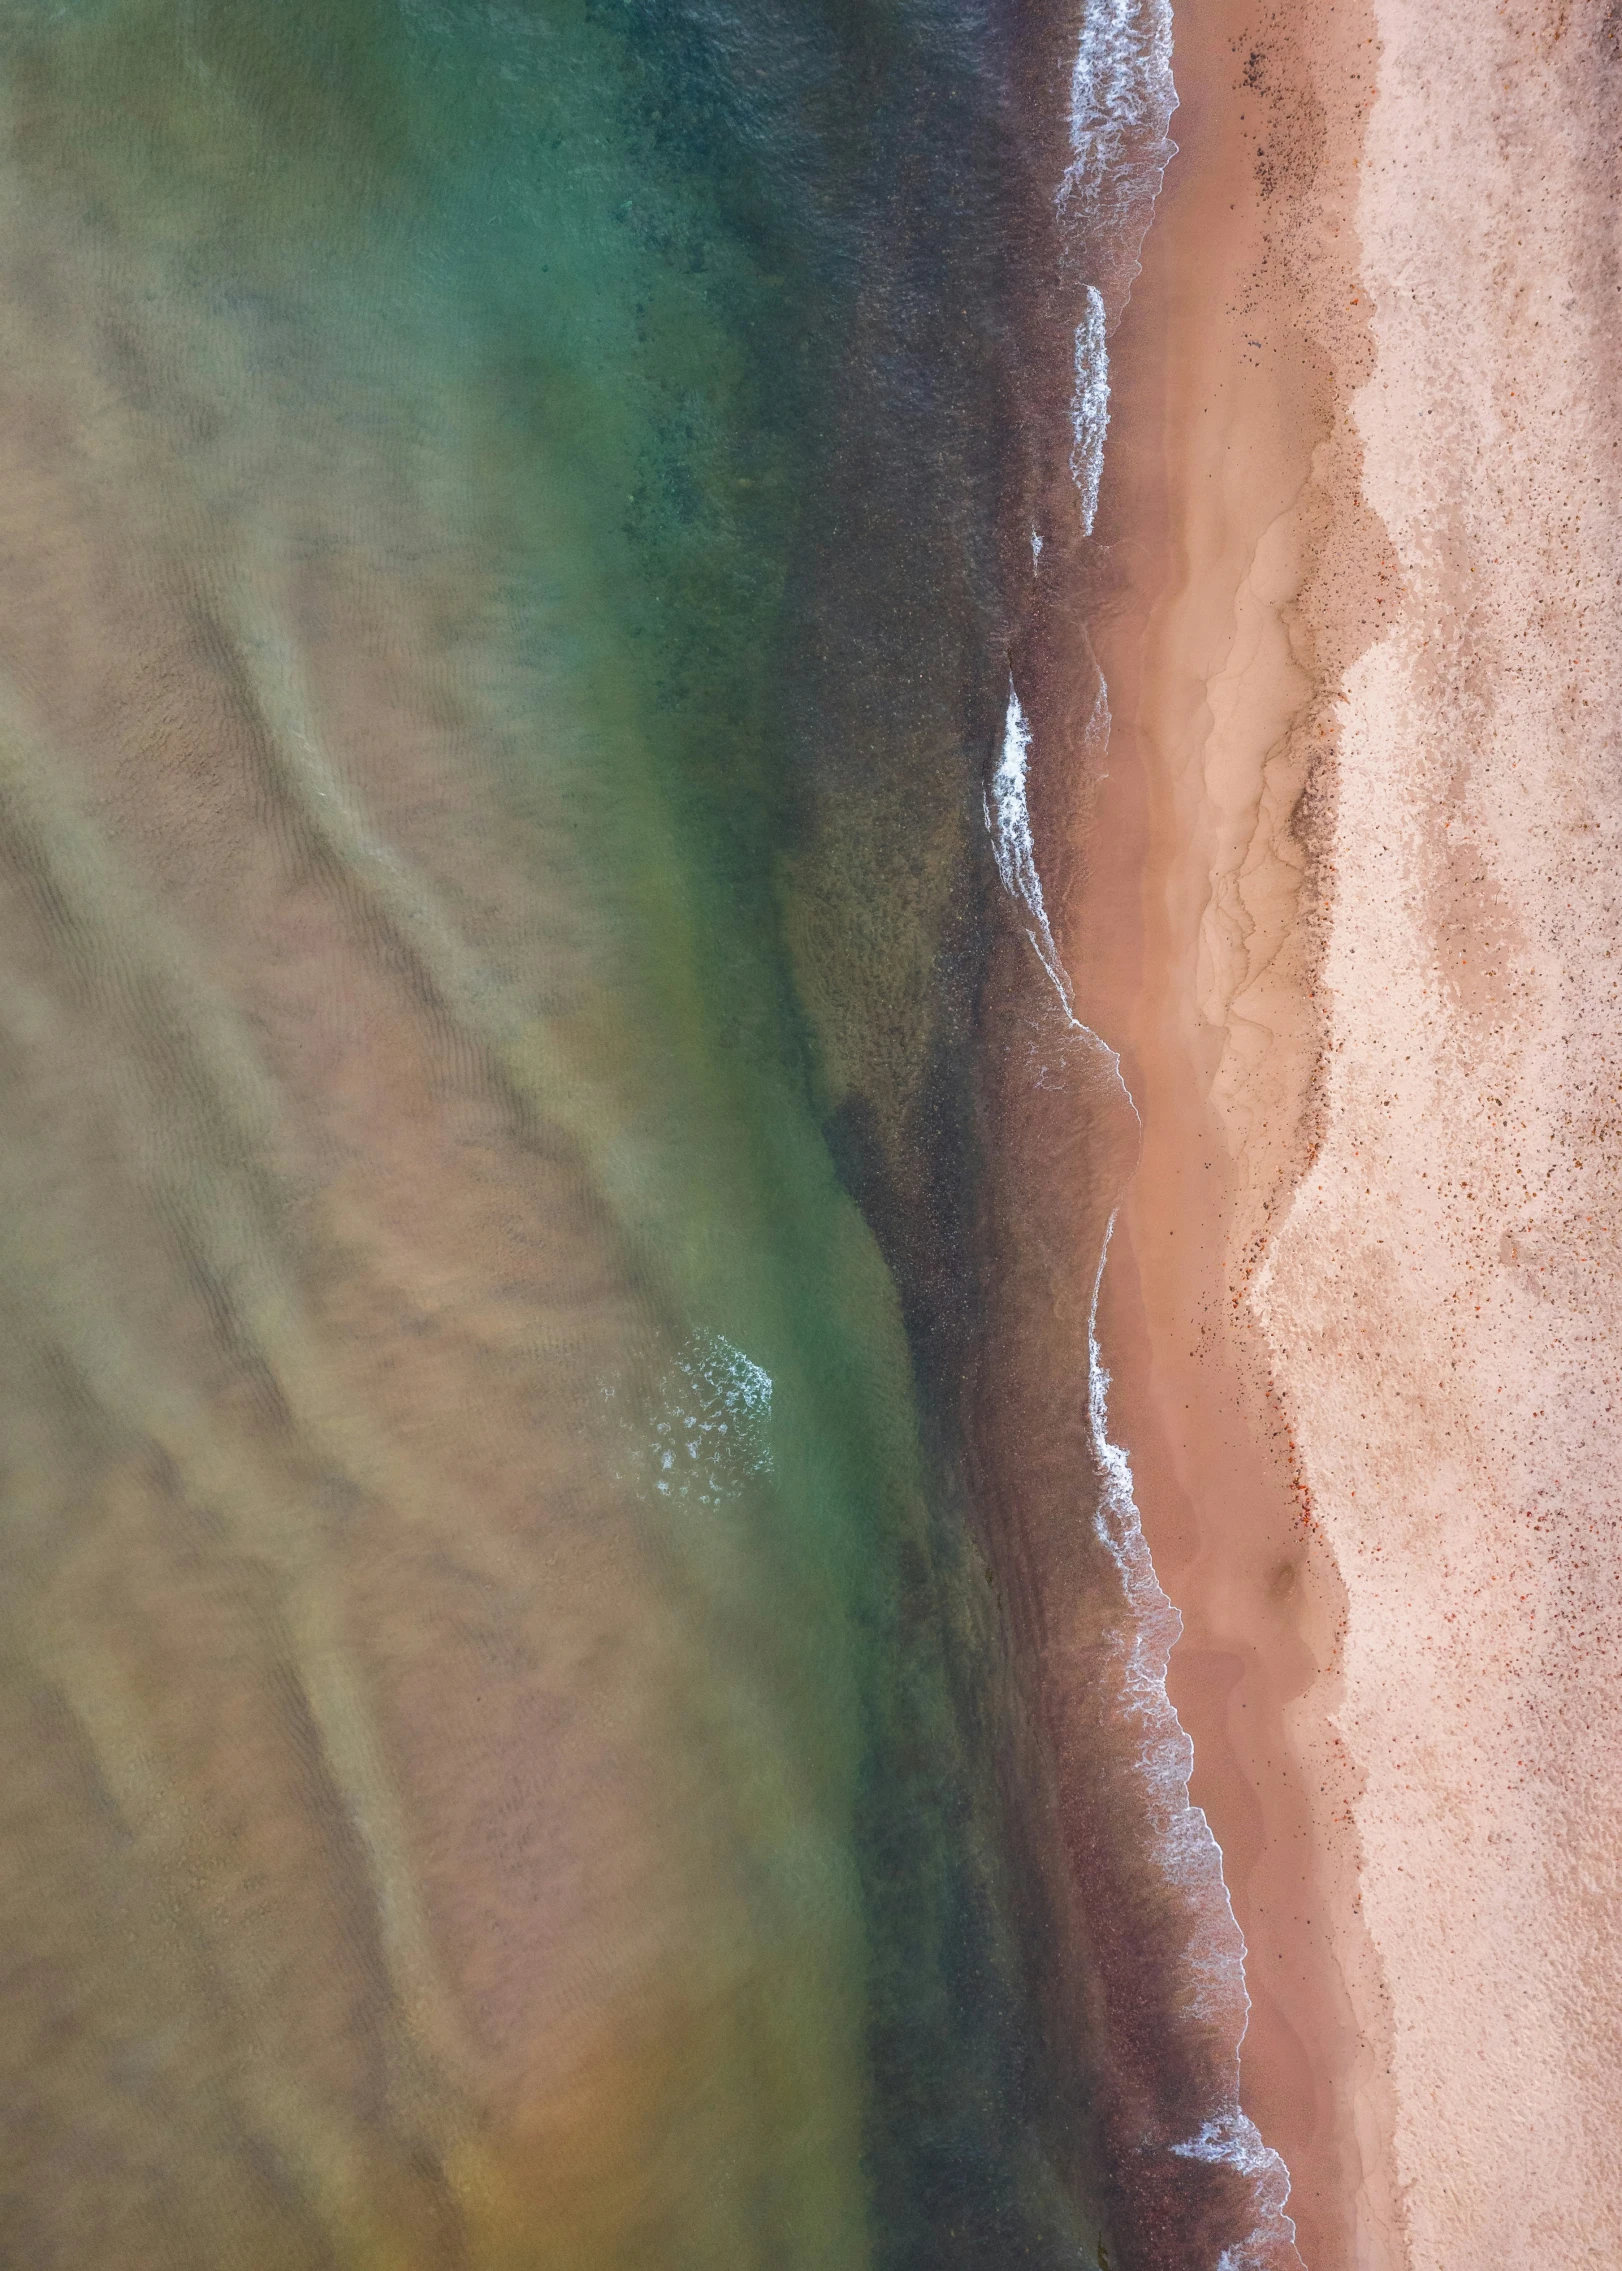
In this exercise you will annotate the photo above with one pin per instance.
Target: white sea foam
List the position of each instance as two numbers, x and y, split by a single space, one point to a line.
1008 818
1122 96
1089 406
1233 2140
1187 1851
716 1421
1008 822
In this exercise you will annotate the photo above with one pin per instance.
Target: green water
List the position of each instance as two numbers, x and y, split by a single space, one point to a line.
535 361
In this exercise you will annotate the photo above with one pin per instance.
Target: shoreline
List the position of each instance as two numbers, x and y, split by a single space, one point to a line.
1228 474
1343 900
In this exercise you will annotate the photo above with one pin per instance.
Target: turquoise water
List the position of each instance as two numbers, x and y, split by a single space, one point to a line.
496 732
564 1704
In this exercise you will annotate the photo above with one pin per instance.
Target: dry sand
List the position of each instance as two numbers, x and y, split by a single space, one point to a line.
1349 912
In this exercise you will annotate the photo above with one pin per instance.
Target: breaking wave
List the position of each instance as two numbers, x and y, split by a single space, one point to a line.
1180 1835
1122 97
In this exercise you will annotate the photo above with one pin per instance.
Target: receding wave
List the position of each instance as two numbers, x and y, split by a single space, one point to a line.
1122 96
1163 1756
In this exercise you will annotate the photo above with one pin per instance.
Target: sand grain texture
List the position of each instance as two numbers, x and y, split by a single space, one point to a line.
1443 1298
1353 910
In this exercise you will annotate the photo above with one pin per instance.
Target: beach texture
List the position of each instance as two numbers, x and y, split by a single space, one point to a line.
1365 1319
780 964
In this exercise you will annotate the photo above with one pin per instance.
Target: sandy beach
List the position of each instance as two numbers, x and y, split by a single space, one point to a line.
1348 911
582 1684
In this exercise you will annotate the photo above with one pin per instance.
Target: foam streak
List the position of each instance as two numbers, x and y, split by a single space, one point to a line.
1121 101
1181 1836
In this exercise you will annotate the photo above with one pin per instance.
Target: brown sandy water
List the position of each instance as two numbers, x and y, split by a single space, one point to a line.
436 1586
569 1704
507 1764
581 1683
354 1686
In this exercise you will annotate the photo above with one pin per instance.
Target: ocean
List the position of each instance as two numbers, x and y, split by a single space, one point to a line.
583 1684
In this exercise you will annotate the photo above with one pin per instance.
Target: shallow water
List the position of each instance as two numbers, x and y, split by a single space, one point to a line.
521 1748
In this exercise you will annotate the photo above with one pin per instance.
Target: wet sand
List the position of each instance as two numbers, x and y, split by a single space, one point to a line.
1347 910
287 1354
